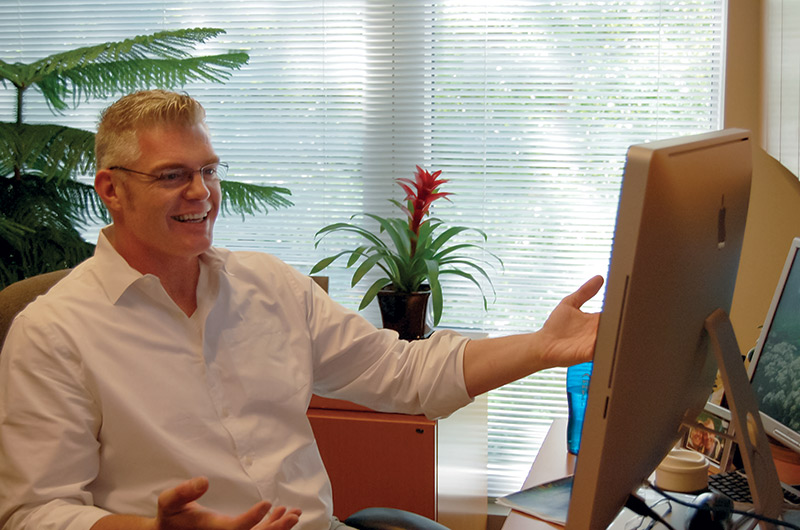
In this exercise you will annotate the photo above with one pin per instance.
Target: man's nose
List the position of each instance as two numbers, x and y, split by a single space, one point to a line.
197 187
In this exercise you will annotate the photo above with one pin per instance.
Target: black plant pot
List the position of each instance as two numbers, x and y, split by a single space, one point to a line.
405 312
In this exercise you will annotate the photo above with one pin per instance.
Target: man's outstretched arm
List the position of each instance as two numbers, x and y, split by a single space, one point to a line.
567 338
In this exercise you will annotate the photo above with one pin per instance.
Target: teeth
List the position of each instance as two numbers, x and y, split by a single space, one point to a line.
190 217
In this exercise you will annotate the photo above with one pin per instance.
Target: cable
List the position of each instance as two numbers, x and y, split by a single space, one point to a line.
753 515
639 506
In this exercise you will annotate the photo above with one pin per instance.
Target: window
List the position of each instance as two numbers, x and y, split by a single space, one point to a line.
527 106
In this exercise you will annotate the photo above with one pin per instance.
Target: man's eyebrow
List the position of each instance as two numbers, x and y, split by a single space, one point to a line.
178 165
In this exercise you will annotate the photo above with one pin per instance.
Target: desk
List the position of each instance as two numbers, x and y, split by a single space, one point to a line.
552 462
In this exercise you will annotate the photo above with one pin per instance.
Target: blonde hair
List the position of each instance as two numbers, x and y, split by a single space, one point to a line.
116 142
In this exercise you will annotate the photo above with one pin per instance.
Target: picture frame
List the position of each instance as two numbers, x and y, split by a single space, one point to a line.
716 448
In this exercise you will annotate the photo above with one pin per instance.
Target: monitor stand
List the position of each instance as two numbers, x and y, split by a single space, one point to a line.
748 429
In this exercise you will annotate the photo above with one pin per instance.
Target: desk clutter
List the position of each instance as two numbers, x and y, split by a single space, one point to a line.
683 471
544 498
734 484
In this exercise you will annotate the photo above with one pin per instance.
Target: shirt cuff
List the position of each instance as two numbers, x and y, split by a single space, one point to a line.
57 514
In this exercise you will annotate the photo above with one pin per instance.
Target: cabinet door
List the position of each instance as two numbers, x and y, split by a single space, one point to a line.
378 460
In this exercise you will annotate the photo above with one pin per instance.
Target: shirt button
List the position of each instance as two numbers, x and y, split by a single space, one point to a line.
248 460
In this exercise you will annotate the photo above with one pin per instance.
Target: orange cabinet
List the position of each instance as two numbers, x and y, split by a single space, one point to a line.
433 468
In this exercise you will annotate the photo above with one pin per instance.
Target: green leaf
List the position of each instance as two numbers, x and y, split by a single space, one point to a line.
11 72
357 253
398 232
159 60
376 241
101 81
85 206
473 265
364 268
49 211
52 151
455 248
164 44
471 278
437 299
13 231
325 262
372 292
447 235
332 228
247 199
426 231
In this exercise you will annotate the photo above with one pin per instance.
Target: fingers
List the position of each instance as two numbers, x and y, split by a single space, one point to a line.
251 517
174 500
280 518
585 292
177 509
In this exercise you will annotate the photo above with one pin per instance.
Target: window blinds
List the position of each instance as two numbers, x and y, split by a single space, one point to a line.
527 106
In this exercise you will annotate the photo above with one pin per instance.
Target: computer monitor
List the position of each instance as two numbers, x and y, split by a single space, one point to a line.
775 367
675 256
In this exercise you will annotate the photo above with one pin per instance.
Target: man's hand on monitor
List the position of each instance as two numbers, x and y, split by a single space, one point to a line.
570 333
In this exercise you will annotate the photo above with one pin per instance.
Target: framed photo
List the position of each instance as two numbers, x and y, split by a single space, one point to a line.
716 448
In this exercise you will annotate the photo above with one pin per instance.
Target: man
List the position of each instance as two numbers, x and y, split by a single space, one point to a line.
164 383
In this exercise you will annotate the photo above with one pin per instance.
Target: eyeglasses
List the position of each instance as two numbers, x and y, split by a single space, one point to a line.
178 177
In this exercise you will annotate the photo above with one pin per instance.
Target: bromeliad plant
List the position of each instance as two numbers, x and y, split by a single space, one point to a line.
419 249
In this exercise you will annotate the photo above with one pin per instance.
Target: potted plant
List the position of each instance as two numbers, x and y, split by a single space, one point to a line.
418 252
42 203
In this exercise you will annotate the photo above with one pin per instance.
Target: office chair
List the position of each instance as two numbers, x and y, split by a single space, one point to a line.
16 296
390 519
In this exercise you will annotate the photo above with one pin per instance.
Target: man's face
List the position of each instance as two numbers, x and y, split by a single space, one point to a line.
166 225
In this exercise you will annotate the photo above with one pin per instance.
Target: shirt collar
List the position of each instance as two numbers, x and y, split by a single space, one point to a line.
116 275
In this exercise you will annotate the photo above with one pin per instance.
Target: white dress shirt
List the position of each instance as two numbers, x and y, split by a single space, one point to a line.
110 394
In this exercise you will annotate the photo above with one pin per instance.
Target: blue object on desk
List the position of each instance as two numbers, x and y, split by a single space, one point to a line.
577 392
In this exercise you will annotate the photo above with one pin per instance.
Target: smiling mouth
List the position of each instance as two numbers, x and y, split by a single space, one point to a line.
191 218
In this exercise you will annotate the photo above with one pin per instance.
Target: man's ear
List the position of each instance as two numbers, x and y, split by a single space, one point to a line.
108 189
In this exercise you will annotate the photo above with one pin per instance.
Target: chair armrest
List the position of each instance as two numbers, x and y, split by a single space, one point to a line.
391 519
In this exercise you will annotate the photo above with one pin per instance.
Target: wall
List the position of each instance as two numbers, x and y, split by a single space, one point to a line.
781 111
774 214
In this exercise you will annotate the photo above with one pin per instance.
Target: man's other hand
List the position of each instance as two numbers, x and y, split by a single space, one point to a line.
178 510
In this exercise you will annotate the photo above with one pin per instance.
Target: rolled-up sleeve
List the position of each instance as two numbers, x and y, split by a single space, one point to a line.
372 367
